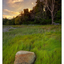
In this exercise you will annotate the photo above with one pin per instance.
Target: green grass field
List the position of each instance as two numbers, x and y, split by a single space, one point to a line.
43 40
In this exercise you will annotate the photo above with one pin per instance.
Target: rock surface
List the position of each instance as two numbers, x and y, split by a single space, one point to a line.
6 29
24 57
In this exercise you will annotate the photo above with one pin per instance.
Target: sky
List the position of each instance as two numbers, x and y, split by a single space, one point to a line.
12 8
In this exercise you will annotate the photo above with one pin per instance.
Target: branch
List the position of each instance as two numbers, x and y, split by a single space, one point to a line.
47 5
53 4
48 8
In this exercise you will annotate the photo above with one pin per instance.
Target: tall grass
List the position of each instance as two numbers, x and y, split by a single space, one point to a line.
44 41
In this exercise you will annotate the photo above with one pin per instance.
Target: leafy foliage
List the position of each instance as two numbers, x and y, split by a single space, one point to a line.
58 17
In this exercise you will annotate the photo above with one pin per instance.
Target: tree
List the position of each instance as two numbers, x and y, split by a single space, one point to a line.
8 22
4 21
17 20
58 17
39 8
39 13
50 4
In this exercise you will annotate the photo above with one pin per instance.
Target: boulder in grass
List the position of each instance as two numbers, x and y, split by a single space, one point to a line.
24 57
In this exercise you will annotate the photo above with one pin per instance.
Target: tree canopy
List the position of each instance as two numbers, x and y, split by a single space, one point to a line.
45 12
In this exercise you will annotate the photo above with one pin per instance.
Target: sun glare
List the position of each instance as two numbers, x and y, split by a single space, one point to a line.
29 10
43 9
32 3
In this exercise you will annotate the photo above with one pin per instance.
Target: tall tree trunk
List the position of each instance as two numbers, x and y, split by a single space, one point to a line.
50 5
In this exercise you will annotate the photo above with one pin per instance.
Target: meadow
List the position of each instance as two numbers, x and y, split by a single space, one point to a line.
43 40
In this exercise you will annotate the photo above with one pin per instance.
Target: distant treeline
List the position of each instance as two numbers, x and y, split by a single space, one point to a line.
38 15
